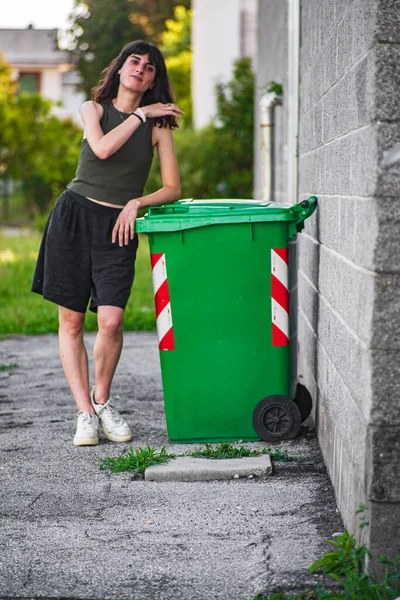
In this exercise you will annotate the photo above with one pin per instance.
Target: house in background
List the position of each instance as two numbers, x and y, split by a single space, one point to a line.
40 66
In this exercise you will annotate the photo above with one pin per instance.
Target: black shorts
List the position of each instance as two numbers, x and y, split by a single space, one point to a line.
77 261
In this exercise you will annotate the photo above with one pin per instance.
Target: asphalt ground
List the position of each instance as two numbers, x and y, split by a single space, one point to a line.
71 530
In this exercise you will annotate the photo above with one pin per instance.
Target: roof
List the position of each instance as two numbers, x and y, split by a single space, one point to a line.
32 47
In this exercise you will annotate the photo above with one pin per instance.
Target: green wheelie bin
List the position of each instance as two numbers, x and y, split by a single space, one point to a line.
220 272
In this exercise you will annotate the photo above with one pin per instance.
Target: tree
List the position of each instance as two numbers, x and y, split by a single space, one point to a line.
176 47
98 33
37 149
176 37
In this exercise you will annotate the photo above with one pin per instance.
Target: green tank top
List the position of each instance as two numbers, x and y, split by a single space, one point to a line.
123 175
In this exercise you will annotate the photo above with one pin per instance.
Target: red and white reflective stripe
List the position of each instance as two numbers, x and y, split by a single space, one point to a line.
163 305
280 296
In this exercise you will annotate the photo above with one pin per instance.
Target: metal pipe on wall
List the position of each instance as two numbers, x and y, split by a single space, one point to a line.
267 106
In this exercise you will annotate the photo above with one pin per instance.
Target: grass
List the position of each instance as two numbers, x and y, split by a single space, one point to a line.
25 312
9 367
227 450
18 213
137 460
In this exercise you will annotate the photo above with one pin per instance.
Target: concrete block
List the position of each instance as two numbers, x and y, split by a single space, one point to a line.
330 179
384 529
357 300
387 83
364 158
332 380
339 108
318 75
338 156
363 230
311 169
383 465
329 63
345 239
310 129
349 291
331 271
387 28
385 381
362 90
386 250
348 353
363 29
306 360
342 433
342 7
344 41
305 134
308 258
307 351
346 222
387 312
328 110
329 219
312 225
308 298
388 143
328 19
315 26
187 468
358 230
317 124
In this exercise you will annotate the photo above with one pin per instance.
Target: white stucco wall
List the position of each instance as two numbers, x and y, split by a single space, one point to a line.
51 84
72 101
216 45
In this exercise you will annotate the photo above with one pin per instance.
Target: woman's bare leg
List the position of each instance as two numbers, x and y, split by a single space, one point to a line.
74 356
107 349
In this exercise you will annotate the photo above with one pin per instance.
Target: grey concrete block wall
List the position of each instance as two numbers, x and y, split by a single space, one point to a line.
349 278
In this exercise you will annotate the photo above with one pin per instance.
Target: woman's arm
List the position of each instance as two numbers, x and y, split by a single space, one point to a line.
125 226
104 145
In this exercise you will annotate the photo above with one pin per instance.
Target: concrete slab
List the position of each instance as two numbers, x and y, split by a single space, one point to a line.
188 468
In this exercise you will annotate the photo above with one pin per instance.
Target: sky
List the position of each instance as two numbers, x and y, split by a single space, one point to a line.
43 14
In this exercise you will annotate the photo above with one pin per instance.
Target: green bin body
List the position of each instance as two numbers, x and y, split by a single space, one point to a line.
220 275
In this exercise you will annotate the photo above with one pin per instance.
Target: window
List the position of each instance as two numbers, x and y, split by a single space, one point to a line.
29 82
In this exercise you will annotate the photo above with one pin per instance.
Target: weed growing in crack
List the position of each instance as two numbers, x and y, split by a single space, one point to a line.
136 459
227 450
9 367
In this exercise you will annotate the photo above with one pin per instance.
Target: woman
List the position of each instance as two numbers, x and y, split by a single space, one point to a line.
89 244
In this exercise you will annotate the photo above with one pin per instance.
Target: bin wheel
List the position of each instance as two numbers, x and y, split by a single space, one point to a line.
276 418
303 401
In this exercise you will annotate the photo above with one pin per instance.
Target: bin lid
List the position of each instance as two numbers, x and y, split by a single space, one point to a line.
189 214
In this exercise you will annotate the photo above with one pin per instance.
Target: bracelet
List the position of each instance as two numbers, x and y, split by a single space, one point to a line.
141 113
138 116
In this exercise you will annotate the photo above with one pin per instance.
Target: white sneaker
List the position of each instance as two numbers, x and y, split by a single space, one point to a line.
87 429
115 428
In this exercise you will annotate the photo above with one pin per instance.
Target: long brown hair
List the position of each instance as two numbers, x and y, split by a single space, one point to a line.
161 91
